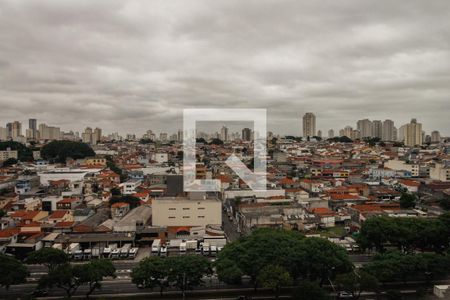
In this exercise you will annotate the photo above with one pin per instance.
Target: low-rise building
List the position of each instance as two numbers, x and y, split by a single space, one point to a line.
182 211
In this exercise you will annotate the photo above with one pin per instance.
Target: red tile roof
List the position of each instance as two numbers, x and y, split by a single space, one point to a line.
25 215
9 232
323 212
119 204
409 182
344 197
58 214
67 224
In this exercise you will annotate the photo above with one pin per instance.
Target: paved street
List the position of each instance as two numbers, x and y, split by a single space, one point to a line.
230 227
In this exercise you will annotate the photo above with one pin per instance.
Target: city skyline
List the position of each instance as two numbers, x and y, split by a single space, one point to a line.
411 133
132 66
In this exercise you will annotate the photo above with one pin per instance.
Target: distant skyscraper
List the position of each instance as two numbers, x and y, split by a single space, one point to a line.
435 137
163 137
348 132
48 132
86 136
246 134
330 133
16 129
319 133
32 126
377 129
224 134
413 134
3 134
96 136
309 125
9 130
388 130
365 128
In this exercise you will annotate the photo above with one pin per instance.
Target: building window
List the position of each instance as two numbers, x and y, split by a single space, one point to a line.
201 208
186 217
186 208
172 208
171 217
201 217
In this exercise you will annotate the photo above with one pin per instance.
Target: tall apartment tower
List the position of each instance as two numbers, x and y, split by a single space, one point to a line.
246 134
87 135
413 134
309 125
365 128
388 130
16 129
435 137
32 126
377 129
48 132
348 132
330 133
224 133
319 133
96 136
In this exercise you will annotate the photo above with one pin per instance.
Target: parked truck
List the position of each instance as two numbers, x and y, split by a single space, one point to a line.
218 241
87 254
115 254
124 251
156 246
72 248
96 252
182 247
133 252
108 250
191 245
78 254
205 249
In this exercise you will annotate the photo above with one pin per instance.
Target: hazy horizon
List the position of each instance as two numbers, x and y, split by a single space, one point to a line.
131 66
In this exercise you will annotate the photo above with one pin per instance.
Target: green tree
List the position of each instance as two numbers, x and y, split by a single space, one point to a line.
407 200
9 162
262 247
405 233
116 192
397 266
59 151
151 272
274 277
70 277
186 272
13 271
320 259
65 277
216 141
24 153
445 203
355 283
113 167
310 290
50 257
228 271
311 258
94 272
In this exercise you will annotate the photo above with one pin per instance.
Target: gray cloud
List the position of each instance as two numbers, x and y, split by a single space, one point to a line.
129 66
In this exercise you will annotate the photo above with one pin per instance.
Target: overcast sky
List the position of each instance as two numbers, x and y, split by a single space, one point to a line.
129 66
